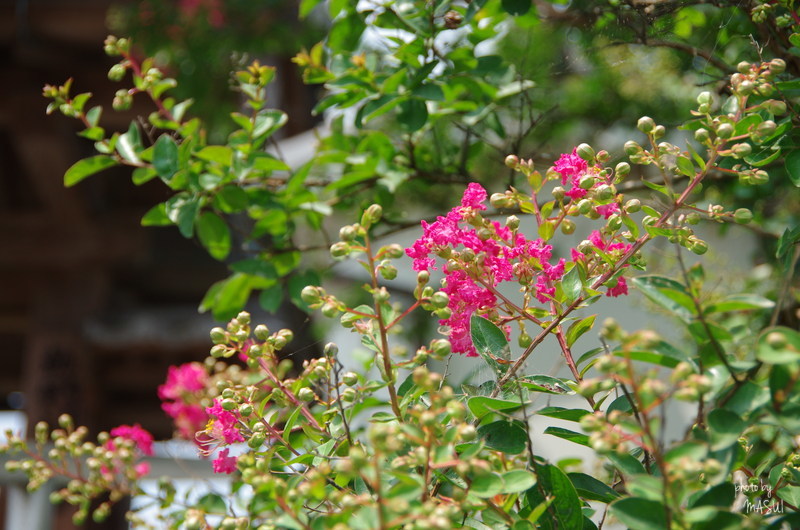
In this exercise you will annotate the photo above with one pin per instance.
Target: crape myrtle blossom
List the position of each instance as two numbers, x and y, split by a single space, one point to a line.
222 429
480 258
180 396
613 249
572 169
142 440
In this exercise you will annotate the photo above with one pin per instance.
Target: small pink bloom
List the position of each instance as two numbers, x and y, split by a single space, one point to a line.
135 433
474 196
142 469
620 288
224 463
607 210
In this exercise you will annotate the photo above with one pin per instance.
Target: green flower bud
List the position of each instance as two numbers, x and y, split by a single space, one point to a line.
659 131
622 170
604 192
646 124
632 148
350 378
423 277
744 67
725 130
219 350
348 233
512 161
614 222
524 340
704 98
310 294
441 347
584 206
245 409
218 335
261 332
372 215
741 150
765 89
256 440
122 100
512 222
387 270
603 156
742 216
348 395
306 394
440 299
698 246
701 135
329 310
228 404
340 249
500 201
777 66
633 206
559 193
775 107
116 72
586 152
567 227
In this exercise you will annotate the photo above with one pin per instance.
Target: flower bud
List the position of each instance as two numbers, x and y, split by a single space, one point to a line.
500 201
604 192
633 206
646 124
775 107
559 193
524 340
632 148
765 89
116 72
777 66
614 222
350 378
744 67
512 161
586 152
701 135
440 299
218 335
584 206
725 130
387 270
742 216
219 350
372 215
441 347
698 246
348 395
567 227
310 294
622 170
423 277
587 182
122 100
348 233
340 249
512 222
306 394
741 150
704 98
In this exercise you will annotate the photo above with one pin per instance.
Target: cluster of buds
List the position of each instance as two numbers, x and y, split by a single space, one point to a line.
689 472
107 468
605 436
236 339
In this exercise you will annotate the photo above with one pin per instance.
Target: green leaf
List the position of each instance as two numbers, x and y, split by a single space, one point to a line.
591 489
740 302
685 166
627 464
518 480
142 175
345 33
214 235
563 414
721 495
220 154
129 143
579 328
565 510
778 345
571 284
490 342
227 297
487 485
792 163
566 434
545 384
86 168
637 513
725 428
622 403
508 437
271 298
307 6
212 503
667 293
182 210
480 406
165 156
413 114
267 122
156 216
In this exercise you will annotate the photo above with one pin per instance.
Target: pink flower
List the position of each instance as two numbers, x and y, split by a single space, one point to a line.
571 166
223 425
474 196
607 210
620 288
135 433
142 469
186 378
224 463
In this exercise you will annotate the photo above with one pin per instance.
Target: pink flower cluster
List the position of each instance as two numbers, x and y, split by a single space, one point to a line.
572 169
616 250
500 259
140 437
223 429
181 394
